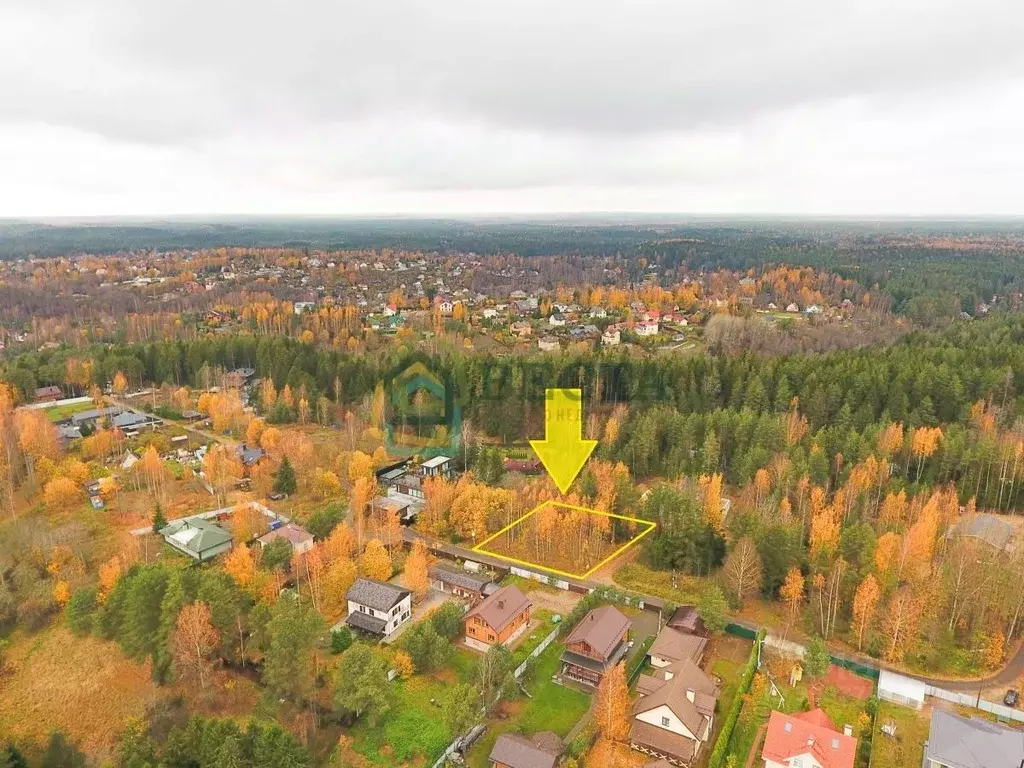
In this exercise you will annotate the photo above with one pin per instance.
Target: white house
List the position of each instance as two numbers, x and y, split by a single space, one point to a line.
598 312
490 313
302 306
646 328
556 320
548 344
446 307
377 607
611 337
792 308
674 716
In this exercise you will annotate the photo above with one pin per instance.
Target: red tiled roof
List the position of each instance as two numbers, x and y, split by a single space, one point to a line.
808 733
501 608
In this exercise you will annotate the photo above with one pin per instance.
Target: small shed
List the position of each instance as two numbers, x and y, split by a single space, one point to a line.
901 690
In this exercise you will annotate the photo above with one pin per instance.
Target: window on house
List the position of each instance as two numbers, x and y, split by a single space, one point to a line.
664 722
798 763
490 637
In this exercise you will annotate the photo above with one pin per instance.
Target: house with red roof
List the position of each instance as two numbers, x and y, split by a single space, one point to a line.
807 740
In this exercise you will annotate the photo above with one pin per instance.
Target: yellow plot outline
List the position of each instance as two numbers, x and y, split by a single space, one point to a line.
481 546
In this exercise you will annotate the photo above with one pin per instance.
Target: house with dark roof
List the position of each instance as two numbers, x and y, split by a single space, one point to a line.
49 394
686 619
671 646
131 420
807 739
470 586
498 620
93 415
377 607
511 750
250 456
197 537
595 645
673 718
971 742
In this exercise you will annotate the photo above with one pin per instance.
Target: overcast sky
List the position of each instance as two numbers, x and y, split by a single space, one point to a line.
447 106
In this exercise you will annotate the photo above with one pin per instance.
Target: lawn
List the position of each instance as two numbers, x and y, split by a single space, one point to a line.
536 636
550 707
911 733
61 412
729 671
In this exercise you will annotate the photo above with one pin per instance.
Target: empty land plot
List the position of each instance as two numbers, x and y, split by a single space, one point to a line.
565 539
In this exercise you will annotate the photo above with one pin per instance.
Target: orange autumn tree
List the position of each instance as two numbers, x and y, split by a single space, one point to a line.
792 591
417 569
193 642
62 493
240 565
612 704
376 562
864 602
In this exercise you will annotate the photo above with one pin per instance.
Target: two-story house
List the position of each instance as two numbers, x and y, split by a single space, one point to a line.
498 620
807 740
595 645
674 715
377 607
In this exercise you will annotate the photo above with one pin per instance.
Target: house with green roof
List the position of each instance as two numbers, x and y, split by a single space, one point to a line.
198 538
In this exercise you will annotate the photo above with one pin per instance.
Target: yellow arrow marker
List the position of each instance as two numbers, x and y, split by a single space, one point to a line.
563 451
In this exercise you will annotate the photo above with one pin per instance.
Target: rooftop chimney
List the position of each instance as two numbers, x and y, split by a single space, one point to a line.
810 741
501 603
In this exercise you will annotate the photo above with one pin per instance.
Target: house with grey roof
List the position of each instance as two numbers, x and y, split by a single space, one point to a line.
133 420
993 530
445 577
198 538
377 607
971 742
514 751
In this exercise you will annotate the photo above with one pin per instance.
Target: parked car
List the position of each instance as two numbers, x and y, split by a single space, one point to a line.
1011 697
276 496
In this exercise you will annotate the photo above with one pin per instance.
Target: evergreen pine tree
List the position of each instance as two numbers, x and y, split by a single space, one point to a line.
159 521
284 480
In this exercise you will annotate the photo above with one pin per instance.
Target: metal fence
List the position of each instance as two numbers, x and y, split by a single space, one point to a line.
536 652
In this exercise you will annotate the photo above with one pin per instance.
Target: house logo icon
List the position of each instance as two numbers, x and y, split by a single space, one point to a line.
422 415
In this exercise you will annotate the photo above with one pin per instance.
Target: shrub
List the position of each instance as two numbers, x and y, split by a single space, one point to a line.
719 753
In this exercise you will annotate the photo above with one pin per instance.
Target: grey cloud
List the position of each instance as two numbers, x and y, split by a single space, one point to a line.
180 71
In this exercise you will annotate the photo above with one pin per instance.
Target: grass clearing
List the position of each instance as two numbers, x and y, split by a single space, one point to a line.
413 728
551 708
907 748
84 686
61 412
677 588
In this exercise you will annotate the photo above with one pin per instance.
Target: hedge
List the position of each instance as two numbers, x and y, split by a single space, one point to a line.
721 750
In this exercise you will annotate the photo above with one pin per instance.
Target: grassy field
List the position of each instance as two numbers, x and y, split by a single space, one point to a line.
911 733
677 588
412 729
550 708
83 685
61 412
534 638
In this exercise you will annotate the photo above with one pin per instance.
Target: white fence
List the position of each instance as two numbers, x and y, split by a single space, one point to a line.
536 652
975 701
551 580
